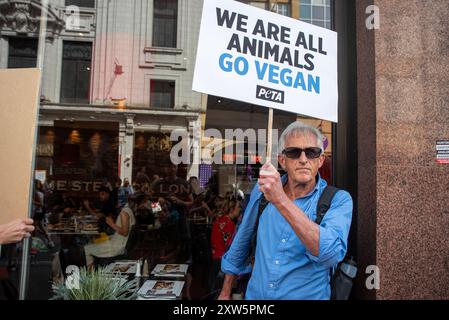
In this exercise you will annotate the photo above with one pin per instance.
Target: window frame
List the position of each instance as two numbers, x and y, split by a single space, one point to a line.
326 21
76 99
34 56
156 31
284 5
172 93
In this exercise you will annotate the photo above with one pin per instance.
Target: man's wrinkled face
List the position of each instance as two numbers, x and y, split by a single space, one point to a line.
301 170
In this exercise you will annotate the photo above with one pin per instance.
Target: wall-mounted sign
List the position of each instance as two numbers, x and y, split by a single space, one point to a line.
78 186
442 151
44 150
263 58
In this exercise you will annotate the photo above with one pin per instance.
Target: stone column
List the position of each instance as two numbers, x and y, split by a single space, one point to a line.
195 147
403 98
366 137
126 139
52 71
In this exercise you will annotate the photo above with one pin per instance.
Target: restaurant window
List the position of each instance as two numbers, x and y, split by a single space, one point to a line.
81 3
76 66
162 94
22 53
165 23
82 149
316 12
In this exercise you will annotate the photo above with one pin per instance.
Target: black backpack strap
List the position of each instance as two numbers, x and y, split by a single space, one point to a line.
263 203
325 202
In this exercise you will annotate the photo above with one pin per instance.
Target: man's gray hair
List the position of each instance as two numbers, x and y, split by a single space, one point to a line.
300 129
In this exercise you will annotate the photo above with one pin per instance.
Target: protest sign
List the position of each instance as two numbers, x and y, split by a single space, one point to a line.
263 58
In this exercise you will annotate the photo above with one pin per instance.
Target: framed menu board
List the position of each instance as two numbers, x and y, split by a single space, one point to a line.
19 90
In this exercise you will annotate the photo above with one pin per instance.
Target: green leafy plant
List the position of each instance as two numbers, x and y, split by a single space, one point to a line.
97 285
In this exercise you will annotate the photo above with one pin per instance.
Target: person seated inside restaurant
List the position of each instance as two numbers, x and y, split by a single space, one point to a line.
59 214
144 214
103 209
116 244
61 207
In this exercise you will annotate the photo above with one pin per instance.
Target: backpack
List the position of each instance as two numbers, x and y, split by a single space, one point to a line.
342 279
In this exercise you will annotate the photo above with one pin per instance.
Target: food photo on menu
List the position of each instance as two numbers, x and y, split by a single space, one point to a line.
123 267
170 269
161 289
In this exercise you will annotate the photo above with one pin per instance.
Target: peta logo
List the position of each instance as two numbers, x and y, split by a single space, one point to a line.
270 94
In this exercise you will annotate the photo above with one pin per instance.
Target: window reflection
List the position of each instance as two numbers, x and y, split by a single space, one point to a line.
117 81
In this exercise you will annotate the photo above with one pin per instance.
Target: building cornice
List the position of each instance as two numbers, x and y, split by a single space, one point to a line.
114 110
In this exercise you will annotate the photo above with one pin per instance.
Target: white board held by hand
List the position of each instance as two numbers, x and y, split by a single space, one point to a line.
263 58
19 89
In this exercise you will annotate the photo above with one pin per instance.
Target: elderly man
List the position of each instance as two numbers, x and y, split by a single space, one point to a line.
293 254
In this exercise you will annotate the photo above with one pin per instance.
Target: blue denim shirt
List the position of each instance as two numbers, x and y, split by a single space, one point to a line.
284 268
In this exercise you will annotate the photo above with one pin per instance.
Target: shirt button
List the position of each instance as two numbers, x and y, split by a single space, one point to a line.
271 285
277 262
284 241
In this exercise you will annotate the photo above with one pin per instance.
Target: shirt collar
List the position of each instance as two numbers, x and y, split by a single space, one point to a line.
319 185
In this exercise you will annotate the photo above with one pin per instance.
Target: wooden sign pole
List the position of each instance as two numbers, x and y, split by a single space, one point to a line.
270 135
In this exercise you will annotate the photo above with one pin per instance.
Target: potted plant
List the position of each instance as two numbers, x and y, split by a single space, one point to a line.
96 284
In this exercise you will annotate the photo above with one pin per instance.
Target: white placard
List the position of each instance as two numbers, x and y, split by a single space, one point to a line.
263 58
19 92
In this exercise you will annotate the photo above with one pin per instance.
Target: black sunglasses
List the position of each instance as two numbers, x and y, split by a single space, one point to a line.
295 153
